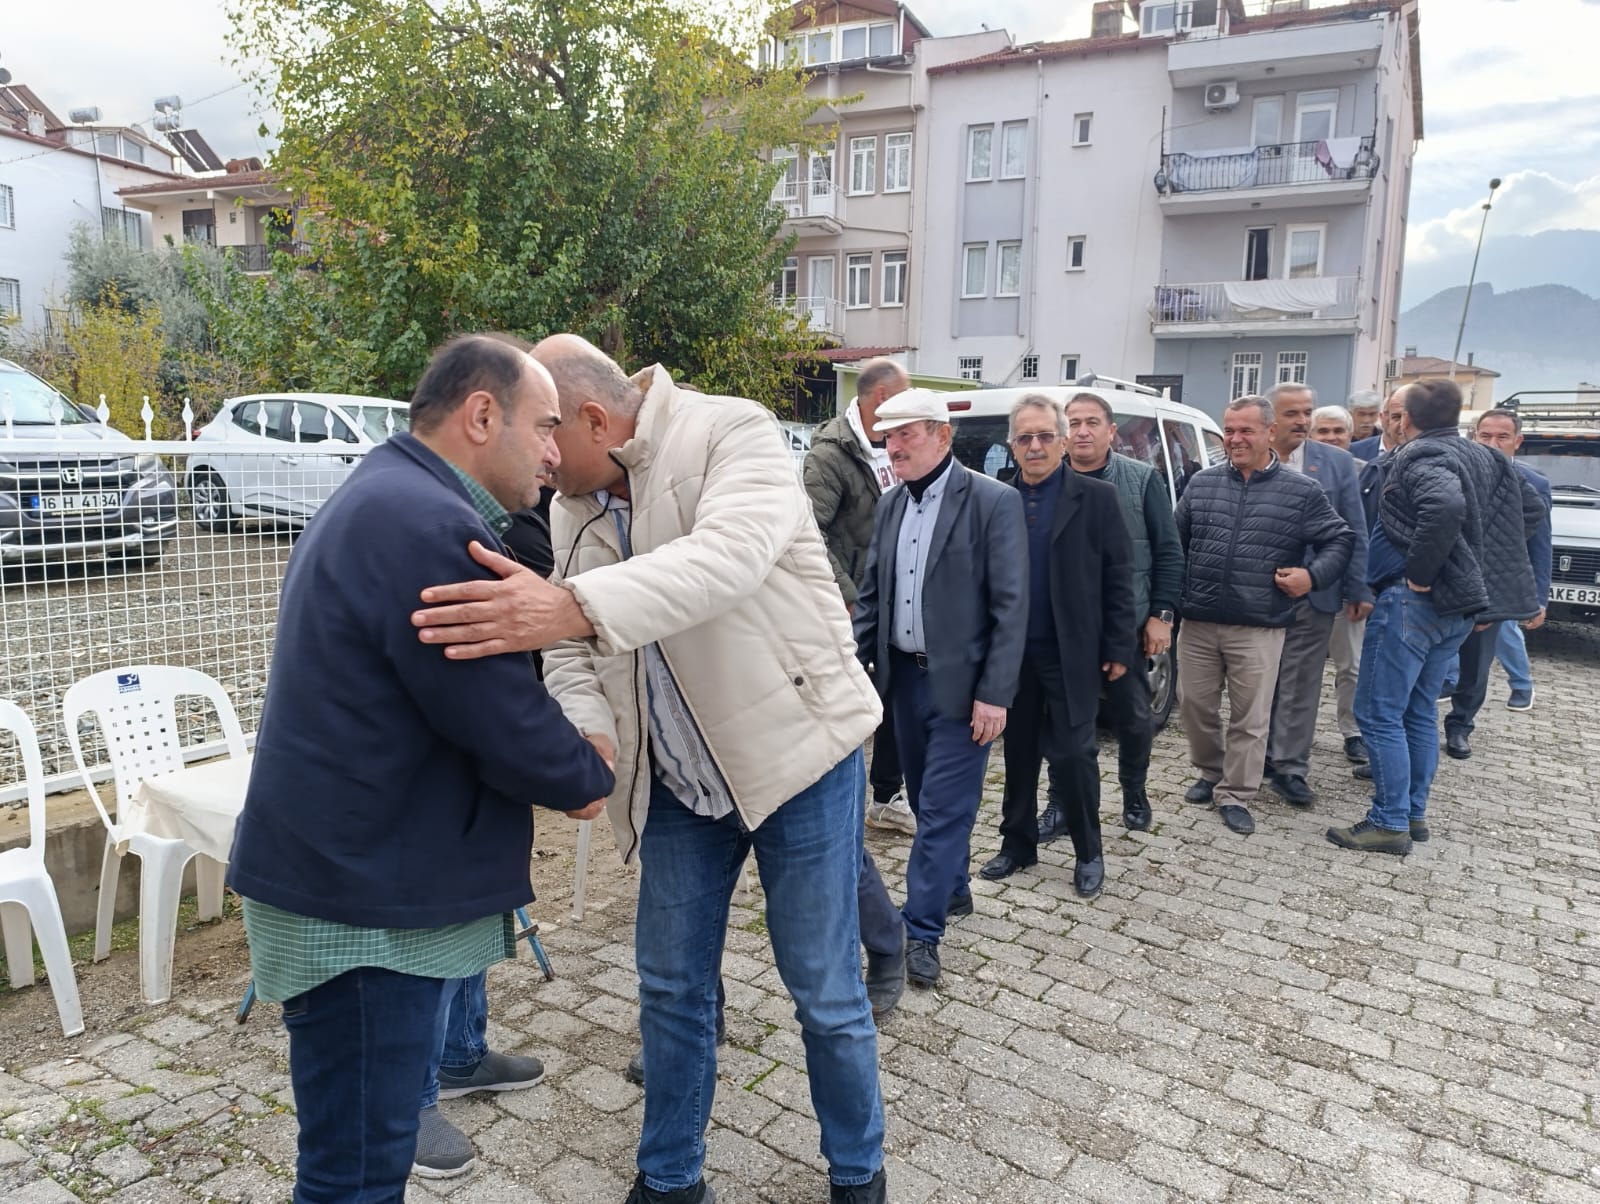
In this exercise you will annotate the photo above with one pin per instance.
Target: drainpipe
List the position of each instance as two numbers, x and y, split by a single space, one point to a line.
1037 193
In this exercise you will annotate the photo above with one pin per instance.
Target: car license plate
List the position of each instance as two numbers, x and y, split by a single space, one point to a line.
74 503
1581 595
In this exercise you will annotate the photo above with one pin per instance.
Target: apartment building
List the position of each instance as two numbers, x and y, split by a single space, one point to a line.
1203 195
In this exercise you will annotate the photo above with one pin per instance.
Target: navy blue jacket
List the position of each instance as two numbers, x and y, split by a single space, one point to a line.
1368 448
1335 470
392 787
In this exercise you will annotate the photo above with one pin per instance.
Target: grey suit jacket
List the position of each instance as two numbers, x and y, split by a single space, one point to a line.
1335 470
974 599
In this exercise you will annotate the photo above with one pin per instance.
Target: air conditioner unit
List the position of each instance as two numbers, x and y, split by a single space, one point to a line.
1222 95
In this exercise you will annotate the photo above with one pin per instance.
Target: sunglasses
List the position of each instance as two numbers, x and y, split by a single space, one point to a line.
1043 439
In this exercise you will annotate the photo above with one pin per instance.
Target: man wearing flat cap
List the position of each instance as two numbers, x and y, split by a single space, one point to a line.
941 619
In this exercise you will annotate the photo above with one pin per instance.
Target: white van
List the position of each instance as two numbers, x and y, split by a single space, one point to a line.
1174 439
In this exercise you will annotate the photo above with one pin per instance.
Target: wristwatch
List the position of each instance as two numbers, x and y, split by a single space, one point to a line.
1166 616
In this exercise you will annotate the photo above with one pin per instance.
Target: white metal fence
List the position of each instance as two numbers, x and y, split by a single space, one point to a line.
118 552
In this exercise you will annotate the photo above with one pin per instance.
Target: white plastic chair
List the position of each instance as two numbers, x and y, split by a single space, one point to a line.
28 904
136 711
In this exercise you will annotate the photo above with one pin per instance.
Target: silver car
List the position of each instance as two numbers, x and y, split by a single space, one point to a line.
279 456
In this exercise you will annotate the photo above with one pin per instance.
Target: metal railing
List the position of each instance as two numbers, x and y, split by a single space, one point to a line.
817 200
825 314
1333 298
1277 165
257 257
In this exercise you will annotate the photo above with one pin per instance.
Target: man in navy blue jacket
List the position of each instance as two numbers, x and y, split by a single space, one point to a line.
386 834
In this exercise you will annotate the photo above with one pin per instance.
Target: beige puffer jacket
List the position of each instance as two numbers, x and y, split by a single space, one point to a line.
730 577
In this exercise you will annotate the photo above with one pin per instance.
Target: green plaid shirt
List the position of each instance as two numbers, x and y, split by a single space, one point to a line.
290 954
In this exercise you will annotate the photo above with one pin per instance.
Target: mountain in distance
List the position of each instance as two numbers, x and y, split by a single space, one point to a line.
1542 337
1517 261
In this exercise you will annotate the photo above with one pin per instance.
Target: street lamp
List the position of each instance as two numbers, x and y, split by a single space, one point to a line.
1467 303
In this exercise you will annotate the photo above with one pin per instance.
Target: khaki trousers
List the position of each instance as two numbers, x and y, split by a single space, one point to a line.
1344 646
1246 660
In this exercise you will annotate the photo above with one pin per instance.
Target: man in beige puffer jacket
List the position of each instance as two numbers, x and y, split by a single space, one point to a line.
694 633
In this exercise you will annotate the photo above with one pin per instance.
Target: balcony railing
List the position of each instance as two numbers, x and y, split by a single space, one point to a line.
817 201
822 314
1276 165
1302 298
257 257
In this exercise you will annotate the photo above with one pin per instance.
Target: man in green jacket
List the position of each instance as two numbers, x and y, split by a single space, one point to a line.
845 475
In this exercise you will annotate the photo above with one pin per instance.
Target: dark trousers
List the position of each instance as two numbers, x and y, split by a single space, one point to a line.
1472 684
1038 729
358 1046
944 782
885 776
1126 707
882 929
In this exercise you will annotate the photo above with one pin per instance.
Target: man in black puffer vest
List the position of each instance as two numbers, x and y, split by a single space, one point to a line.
1246 527
1449 552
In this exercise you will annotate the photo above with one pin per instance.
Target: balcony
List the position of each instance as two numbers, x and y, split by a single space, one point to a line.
255 258
810 206
822 315
1197 56
1284 175
1223 308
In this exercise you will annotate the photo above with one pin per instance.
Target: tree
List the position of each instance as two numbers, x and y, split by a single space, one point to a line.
528 165
115 352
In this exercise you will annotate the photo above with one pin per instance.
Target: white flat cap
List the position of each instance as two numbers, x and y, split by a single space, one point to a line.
911 405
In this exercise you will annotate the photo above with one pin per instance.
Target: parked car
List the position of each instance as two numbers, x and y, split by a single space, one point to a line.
1563 442
279 456
106 500
1174 439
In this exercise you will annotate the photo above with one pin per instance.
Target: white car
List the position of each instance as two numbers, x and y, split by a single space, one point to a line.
279 456
798 436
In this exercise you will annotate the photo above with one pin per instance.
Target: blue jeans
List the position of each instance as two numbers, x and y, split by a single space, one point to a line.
808 853
944 782
1511 647
357 1045
461 1044
1407 649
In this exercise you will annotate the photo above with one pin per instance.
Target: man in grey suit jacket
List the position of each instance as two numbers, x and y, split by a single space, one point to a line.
1305 642
941 618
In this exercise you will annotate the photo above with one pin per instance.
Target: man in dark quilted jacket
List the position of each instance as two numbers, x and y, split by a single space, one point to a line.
1449 552
1246 528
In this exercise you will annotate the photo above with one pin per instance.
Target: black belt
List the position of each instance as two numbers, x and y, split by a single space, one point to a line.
1379 586
920 659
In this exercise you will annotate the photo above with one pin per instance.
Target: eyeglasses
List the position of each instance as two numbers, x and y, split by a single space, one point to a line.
1043 439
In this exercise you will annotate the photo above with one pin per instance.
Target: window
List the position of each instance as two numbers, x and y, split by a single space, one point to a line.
788 282
1258 253
123 224
1030 367
788 186
975 270
894 278
1075 251
820 278
980 147
1010 282
106 144
969 367
1266 121
1292 367
1183 452
10 298
822 171
897 163
1246 373
1082 123
1303 256
1069 369
858 281
1013 150
793 50
819 47
863 165
882 39
853 43
8 207
132 151
200 225
1315 115
862 41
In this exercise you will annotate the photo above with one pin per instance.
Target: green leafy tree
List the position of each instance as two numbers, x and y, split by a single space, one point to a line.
115 352
530 165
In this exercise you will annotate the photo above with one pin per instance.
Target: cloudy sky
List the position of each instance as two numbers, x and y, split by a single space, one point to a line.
1508 85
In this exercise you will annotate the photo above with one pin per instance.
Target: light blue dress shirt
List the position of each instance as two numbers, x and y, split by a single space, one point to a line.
911 564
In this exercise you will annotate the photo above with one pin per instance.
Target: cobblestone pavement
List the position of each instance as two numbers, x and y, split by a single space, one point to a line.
1234 1020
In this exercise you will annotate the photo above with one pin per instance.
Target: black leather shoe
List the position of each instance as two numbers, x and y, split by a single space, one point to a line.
1088 877
700 1193
1052 824
1237 818
1364 772
1003 865
874 1191
922 964
1293 790
959 905
1136 813
1457 744
1419 831
1200 792
886 979
635 1071
1355 750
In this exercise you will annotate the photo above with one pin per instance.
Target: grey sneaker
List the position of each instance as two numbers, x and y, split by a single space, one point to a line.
894 815
443 1151
497 1072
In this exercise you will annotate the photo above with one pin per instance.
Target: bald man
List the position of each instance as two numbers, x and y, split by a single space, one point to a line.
695 628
